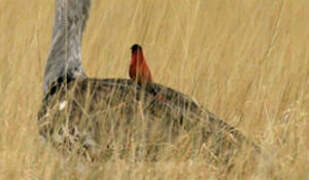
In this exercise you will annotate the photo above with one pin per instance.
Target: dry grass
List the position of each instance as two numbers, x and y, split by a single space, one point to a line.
247 61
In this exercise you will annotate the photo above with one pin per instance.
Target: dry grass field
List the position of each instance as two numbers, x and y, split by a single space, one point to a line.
246 61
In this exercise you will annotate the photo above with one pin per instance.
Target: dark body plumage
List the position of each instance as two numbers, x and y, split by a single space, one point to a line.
89 114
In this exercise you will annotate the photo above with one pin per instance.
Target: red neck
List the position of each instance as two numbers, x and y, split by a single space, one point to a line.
137 57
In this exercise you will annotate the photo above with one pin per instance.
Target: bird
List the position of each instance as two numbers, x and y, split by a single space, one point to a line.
78 112
140 72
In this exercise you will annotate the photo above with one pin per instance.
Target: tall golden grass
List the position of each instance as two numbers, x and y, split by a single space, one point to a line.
246 61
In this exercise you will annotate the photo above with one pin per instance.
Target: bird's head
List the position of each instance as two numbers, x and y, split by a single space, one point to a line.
136 47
